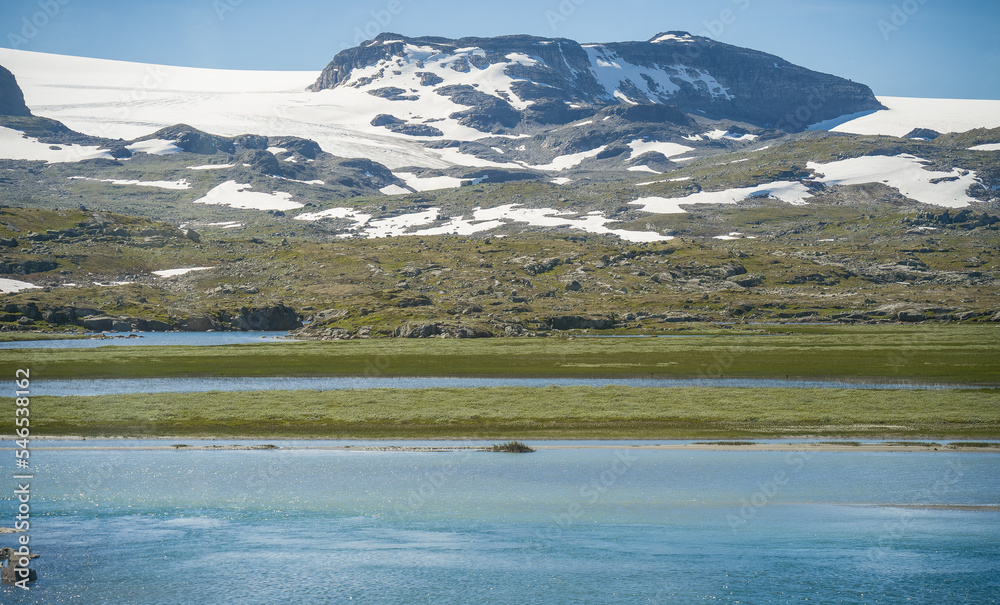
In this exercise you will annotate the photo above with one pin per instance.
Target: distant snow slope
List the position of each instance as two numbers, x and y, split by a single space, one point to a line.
905 114
118 99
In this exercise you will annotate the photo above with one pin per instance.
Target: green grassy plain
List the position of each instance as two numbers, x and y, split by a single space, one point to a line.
946 354
527 413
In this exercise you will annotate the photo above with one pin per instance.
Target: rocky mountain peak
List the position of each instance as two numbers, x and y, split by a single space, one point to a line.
528 75
11 97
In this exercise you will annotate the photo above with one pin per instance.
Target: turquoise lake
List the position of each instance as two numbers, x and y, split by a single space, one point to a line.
556 526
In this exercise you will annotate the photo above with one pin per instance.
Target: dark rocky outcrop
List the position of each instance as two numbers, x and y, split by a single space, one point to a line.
393 93
11 97
197 324
193 140
251 141
487 114
647 113
384 119
911 316
494 175
432 330
25 267
260 161
922 133
401 127
554 111
964 218
576 322
278 318
367 168
305 147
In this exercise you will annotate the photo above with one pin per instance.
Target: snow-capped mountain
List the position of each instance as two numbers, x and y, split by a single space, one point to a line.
405 102
473 105
399 116
513 79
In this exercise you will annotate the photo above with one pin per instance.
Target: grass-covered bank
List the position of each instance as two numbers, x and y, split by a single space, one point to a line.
955 354
527 413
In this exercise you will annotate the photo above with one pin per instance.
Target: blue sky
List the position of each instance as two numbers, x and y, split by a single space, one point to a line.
920 48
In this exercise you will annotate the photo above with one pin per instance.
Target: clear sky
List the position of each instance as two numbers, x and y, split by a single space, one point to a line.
919 48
